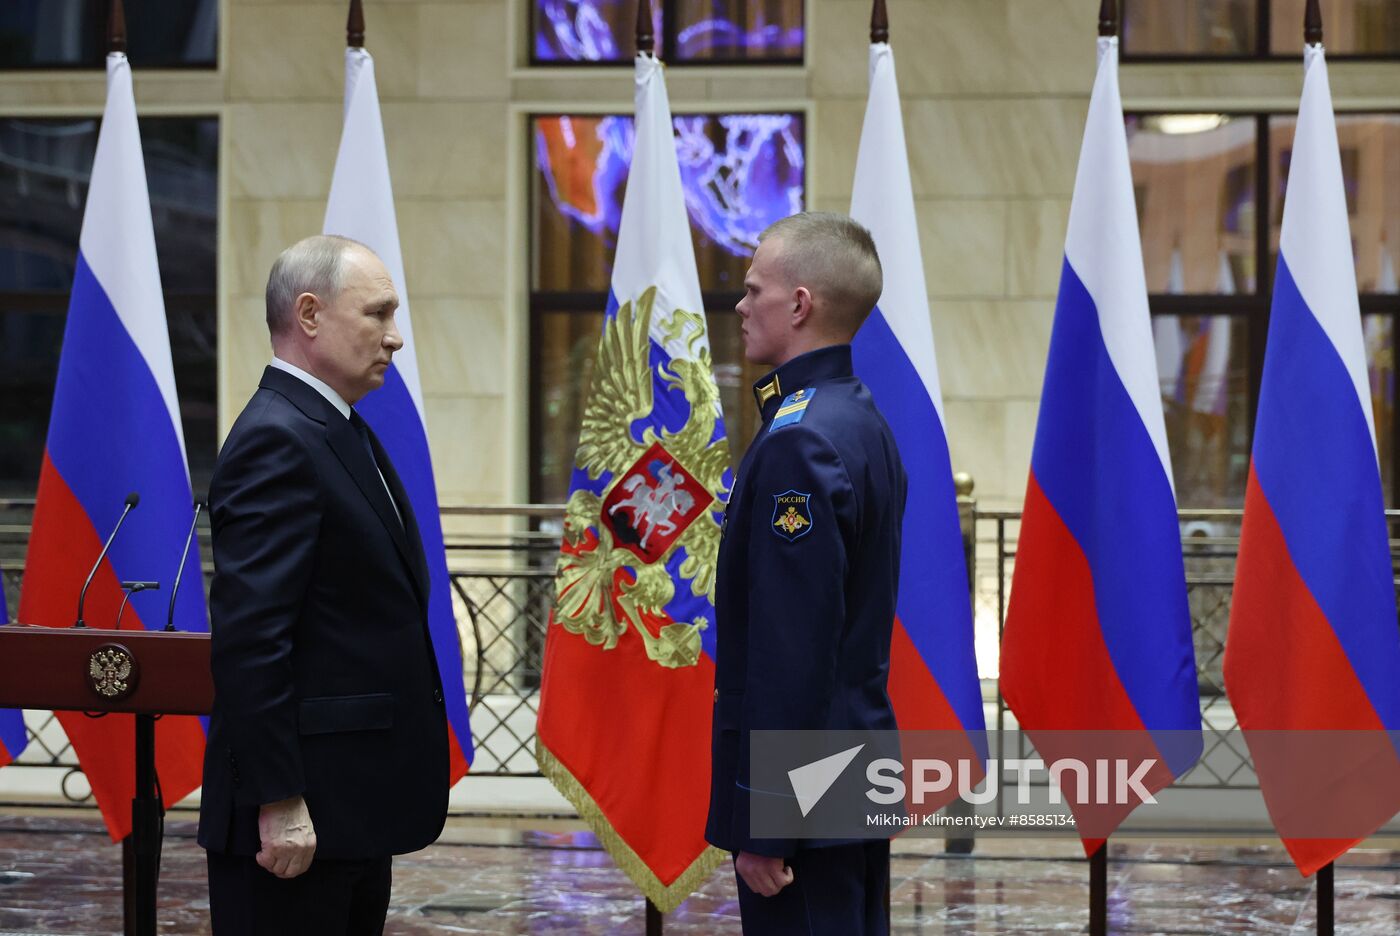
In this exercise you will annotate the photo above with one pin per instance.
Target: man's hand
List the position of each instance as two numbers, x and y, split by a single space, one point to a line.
764 875
288 838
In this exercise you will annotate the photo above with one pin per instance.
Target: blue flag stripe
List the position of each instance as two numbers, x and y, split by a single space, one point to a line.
1125 520
1307 403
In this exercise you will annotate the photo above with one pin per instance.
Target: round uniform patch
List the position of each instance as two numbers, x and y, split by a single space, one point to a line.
792 515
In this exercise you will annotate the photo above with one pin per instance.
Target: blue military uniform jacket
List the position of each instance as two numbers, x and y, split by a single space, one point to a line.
807 579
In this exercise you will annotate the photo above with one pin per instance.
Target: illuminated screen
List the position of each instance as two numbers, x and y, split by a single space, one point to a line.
741 172
704 30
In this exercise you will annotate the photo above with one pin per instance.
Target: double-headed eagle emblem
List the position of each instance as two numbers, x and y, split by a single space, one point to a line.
660 497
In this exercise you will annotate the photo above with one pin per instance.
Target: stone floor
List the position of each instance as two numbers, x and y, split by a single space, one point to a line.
60 875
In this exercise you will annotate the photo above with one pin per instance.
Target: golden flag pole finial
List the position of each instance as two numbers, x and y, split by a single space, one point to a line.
879 22
355 25
116 28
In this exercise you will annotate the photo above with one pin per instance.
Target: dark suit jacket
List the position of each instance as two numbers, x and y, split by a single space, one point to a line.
325 683
807 580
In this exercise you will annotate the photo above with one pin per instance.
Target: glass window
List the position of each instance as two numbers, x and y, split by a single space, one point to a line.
1379 332
1256 28
738 31
1210 229
710 31
1203 366
44 170
1202 28
73 33
1196 182
1370 146
1349 27
741 172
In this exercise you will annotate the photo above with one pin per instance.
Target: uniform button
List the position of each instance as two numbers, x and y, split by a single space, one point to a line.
437 695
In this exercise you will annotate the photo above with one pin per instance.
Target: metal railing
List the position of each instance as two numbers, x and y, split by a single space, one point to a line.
503 590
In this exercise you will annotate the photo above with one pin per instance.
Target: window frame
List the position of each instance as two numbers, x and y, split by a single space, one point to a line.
99 33
1262 52
56 302
1256 308
665 47
542 302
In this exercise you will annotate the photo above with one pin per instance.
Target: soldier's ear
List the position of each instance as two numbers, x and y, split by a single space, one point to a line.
802 306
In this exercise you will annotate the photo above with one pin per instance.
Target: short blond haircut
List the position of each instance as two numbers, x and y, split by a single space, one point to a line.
835 258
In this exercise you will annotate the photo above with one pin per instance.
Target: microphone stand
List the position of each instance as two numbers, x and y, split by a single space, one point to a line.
180 572
132 500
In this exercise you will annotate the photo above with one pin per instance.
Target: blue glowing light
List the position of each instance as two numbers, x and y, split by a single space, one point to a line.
740 172
601 31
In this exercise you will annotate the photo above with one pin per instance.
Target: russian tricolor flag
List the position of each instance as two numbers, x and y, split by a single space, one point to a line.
361 207
1098 633
114 429
933 667
12 736
1313 649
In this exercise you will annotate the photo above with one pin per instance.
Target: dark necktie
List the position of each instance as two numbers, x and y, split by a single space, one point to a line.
362 428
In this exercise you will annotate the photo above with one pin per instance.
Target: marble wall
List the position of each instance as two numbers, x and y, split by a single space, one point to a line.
995 93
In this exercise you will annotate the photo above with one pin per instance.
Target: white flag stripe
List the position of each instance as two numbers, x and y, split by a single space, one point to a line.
1316 236
882 199
361 204
118 239
654 234
1104 248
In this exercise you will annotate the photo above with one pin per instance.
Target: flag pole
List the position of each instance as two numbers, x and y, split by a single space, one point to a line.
355 25
646 45
116 28
646 42
880 33
1108 18
1312 23
1098 891
879 23
1098 862
140 848
1326 903
1325 911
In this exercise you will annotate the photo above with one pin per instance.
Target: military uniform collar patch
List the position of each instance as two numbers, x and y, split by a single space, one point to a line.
765 391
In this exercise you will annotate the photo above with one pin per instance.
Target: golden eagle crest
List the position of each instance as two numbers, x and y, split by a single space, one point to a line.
661 496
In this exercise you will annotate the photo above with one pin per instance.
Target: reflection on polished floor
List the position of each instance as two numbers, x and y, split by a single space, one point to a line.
60 875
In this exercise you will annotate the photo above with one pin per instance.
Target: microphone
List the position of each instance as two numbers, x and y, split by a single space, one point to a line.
179 573
132 588
132 500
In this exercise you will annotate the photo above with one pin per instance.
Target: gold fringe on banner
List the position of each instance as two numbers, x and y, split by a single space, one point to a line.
666 898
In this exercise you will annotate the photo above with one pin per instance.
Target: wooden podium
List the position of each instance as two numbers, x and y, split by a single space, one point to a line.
148 673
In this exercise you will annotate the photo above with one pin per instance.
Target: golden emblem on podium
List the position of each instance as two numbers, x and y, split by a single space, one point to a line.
112 671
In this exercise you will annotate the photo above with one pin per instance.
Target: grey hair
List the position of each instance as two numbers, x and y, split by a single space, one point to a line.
833 256
314 265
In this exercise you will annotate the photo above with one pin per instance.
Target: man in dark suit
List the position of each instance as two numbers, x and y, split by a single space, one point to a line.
327 749
808 570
